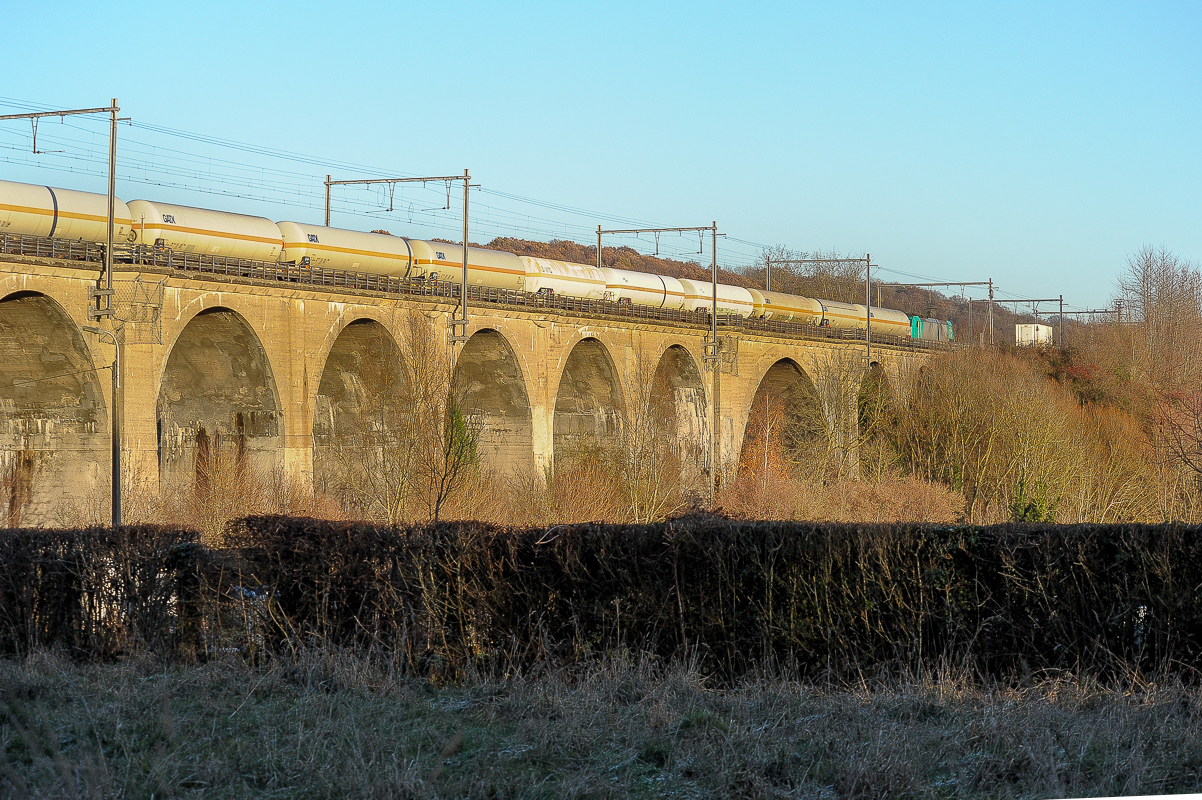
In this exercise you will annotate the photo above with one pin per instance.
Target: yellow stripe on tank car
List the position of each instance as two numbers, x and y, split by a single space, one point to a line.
624 288
93 217
793 310
348 250
217 234
470 265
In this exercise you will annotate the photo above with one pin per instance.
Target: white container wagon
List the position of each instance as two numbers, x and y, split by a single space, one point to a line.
1031 335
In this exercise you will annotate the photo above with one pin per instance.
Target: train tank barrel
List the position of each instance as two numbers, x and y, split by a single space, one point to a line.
350 251
891 322
698 296
493 269
563 278
847 316
28 209
787 307
203 231
643 288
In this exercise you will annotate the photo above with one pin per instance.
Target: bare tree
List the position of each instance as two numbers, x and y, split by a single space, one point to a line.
838 375
1161 295
650 461
412 445
828 275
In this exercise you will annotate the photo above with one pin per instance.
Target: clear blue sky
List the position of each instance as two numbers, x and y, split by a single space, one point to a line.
1035 143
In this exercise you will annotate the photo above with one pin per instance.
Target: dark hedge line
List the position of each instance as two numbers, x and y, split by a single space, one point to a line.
844 599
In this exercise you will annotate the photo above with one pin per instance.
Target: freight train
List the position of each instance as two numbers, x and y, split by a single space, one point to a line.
31 210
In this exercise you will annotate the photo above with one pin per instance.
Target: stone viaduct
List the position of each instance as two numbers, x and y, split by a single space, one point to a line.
272 366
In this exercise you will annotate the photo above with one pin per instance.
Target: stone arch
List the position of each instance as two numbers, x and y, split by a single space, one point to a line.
589 408
54 423
319 356
217 396
360 379
677 406
489 386
786 424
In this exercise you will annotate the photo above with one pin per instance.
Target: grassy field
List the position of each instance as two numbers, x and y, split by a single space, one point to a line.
324 725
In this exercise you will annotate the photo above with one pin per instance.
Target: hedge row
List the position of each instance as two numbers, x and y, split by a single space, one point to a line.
94 591
1003 600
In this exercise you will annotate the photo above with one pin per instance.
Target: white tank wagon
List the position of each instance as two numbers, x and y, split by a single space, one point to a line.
843 316
563 277
351 251
698 296
205 232
643 288
891 322
494 269
27 209
786 307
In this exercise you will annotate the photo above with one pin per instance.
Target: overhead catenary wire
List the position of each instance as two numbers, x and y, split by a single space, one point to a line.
213 175
279 177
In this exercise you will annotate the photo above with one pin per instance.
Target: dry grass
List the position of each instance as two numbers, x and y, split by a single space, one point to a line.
890 499
328 725
228 490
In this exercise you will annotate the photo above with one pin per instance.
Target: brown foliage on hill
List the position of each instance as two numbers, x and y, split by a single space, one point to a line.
615 257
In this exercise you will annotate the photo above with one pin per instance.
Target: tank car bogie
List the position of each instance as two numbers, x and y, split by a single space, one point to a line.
184 229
